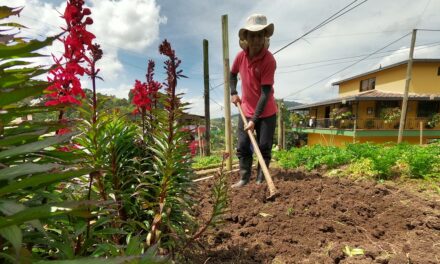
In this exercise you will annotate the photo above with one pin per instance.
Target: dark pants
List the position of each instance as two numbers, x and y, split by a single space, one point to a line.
265 128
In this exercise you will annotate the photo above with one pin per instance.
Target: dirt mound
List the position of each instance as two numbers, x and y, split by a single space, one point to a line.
321 220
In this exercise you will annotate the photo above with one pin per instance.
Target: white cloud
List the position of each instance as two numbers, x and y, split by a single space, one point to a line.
121 91
126 24
118 25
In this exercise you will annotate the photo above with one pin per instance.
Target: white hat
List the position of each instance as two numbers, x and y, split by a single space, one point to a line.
256 22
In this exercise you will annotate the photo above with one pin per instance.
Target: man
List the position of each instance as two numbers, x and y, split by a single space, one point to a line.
256 66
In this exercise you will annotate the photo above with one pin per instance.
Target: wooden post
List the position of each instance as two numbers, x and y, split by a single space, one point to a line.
280 125
354 130
421 132
227 92
355 122
284 135
206 97
408 81
200 141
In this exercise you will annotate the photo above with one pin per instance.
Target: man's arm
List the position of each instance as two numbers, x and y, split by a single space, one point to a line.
265 90
233 84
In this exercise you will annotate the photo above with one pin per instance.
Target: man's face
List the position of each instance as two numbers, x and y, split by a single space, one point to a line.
255 39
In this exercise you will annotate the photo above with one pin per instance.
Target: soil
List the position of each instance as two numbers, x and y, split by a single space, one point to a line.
314 219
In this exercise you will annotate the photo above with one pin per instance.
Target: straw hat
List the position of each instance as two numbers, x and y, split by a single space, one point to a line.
256 22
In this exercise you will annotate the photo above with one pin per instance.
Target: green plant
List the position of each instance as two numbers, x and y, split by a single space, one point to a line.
297 119
33 160
390 114
202 162
361 169
434 120
340 114
290 211
351 252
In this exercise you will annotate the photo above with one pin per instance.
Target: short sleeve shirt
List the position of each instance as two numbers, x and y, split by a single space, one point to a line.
255 72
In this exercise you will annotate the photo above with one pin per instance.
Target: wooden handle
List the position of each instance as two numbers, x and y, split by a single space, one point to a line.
263 166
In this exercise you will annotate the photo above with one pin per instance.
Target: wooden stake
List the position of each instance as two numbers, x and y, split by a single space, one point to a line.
206 97
227 92
279 125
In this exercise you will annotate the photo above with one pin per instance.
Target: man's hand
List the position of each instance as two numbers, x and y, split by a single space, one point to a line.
235 99
250 126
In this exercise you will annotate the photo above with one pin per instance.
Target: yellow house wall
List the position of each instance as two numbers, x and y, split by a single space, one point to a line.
362 109
424 80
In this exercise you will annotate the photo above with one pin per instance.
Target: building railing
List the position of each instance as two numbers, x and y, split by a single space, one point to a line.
369 123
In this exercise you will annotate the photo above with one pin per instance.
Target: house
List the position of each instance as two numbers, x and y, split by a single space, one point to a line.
195 126
368 107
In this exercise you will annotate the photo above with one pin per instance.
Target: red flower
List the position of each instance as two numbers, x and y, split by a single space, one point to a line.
145 94
65 85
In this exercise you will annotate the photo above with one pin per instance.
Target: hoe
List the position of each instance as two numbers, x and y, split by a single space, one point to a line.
272 189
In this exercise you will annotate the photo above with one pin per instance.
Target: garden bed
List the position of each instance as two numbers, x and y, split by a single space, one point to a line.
315 219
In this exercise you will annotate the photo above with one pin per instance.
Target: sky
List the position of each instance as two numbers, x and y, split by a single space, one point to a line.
130 32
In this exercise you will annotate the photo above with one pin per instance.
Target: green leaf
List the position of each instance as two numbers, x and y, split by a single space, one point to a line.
33 126
44 211
24 48
12 24
22 138
13 235
10 207
25 169
26 55
6 11
41 179
13 95
14 63
35 146
110 231
134 247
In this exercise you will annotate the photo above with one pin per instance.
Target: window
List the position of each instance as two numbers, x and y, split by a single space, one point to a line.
427 108
438 71
368 84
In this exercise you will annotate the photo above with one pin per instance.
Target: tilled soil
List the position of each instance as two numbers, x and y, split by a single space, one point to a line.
314 219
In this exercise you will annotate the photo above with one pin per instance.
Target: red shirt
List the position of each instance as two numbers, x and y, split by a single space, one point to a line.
255 72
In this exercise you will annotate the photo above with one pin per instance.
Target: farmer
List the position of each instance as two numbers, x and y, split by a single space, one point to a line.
256 66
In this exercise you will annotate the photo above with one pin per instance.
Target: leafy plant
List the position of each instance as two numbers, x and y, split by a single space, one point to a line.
297 119
31 155
351 252
434 120
380 161
390 114
340 114
361 169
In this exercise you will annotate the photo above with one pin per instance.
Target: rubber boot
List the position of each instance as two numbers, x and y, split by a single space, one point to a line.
245 172
260 175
